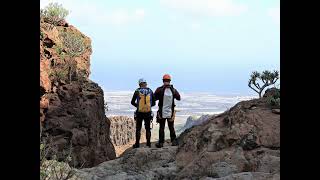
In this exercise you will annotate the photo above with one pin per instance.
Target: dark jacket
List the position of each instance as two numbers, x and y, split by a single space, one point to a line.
159 93
136 94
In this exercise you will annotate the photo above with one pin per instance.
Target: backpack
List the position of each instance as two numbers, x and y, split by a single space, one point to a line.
144 100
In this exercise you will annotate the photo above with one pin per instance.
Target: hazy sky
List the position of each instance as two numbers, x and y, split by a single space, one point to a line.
206 45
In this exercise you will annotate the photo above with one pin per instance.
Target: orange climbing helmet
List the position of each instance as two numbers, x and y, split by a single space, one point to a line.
166 77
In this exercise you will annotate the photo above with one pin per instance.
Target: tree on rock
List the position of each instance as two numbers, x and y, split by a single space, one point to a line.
258 82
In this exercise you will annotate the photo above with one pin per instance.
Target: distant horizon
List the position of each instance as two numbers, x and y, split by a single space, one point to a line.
232 94
246 92
119 103
201 92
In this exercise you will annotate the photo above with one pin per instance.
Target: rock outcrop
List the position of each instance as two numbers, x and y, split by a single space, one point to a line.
246 139
194 121
241 143
72 111
123 130
272 92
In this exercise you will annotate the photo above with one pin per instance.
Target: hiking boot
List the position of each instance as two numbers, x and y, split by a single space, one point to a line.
149 144
136 146
175 143
159 145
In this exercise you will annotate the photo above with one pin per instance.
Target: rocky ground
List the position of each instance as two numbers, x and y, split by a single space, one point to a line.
242 143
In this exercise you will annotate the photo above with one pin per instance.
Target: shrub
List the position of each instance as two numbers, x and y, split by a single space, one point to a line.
74 43
54 13
266 79
60 51
60 74
64 72
274 102
54 169
277 94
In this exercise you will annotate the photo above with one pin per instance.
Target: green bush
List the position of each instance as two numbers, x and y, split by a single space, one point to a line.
54 13
277 94
54 169
274 101
60 74
60 52
74 43
64 72
58 49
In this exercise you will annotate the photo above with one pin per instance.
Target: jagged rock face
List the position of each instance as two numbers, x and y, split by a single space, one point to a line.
71 106
242 143
123 130
76 117
247 138
53 60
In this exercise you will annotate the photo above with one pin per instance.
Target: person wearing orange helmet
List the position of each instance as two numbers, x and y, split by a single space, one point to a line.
166 95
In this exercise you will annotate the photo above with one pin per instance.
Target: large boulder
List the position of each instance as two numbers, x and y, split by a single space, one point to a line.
272 92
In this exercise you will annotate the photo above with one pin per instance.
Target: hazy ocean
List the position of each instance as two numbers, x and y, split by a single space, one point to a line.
195 104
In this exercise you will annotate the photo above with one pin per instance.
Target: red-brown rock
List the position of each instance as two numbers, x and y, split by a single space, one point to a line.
72 109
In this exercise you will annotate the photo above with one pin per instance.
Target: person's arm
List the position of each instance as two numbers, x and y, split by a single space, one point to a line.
153 103
176 95
134 98
157 94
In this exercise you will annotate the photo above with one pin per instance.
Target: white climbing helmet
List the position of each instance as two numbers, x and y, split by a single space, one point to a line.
142 81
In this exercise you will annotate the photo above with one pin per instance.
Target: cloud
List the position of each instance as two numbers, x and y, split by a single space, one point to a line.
274 13
94 14
207 7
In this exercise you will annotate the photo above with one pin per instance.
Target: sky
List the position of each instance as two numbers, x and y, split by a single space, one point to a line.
205 45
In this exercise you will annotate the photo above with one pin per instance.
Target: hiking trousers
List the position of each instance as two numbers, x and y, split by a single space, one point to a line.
162 123
146 117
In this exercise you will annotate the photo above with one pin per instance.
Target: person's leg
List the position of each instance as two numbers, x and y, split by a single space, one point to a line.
162 123
172 132
147 121
138 131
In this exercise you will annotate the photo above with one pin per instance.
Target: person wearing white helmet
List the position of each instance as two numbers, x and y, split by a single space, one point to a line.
143 99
